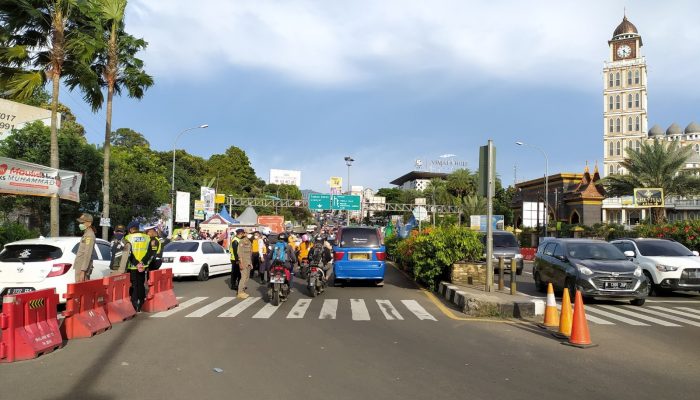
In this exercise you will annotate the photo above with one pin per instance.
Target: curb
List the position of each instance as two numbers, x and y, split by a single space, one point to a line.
486 305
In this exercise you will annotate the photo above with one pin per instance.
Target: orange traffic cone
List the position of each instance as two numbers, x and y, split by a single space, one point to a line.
551 315
565 319
580 337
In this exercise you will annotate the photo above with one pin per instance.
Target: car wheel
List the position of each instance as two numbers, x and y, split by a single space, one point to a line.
637 302
652 289
337 282
203 273
541 287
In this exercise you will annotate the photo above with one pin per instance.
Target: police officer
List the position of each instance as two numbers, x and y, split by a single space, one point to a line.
156 244
233 250
137 255
245 263
83 258
118 244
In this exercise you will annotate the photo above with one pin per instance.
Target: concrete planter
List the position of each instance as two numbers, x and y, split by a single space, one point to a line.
468 273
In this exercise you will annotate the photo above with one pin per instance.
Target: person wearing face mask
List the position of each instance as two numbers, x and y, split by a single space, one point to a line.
245 263
83 258
117 243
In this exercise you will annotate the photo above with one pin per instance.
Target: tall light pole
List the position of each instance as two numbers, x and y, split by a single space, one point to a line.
348 161
546 183
172 181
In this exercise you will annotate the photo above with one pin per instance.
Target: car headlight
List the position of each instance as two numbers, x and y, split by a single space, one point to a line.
665 268
518 256
585 270
638 272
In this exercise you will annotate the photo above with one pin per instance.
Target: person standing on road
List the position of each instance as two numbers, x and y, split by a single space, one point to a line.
136 260
117 245
233 251
83 258
245 263
156 244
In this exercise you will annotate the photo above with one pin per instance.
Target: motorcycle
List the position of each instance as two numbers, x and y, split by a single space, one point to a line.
278 285
304 268
316 282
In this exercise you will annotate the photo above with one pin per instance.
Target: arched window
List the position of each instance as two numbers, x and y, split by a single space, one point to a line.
636 100
636 124
697 148
610 125
617 102
639 145
629 77
610 102
618 148
617 125
610 80
629 100
575 218
636 76
617 79
629 124
610 170
610 149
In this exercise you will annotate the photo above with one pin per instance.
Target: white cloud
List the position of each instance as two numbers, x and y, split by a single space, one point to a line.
330 43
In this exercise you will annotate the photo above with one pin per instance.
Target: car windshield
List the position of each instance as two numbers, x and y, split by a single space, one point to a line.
501 240
663 248
181 247
30 253
359 237
594 251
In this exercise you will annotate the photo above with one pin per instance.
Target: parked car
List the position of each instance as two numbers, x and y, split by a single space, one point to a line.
596 268
667 264
200 258
45 263
505 245
359 254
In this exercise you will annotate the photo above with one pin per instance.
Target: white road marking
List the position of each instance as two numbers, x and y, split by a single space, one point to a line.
598 321
673 301
388 310
689 309
669 317
182 306
299 309
590 309
639 316
266 312
179 297
671 310
329 309
417 310
209 308
239 308
359 310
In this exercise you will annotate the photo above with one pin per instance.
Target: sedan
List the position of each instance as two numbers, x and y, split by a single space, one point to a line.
200 258
596 268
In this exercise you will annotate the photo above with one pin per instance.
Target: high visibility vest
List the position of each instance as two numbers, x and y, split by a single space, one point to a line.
139 245
255 245
236 239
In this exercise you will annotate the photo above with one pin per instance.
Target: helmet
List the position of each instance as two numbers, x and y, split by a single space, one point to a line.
282 236
304 238
133 224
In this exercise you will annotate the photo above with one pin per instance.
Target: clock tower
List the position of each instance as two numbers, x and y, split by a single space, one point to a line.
624 97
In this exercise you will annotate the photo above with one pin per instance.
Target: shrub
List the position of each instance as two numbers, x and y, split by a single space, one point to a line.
13 231
685 232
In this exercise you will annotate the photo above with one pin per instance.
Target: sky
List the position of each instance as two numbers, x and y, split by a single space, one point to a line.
300 84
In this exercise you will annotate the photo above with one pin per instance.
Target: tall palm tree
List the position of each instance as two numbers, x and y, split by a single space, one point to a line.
114 66
657 164
36 47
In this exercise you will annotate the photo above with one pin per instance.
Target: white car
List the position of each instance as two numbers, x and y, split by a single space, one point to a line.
667 264
45 263
200 258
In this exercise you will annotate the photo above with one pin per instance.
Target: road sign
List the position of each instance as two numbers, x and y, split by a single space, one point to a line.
420 201
346 202
319 202
421 213
478 222
105 222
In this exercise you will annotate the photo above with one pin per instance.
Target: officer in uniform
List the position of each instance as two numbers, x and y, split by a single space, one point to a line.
137 256
83 258
118 244
233 250
245 263
156 244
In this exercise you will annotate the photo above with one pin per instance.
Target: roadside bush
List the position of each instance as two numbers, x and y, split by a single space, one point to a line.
13 231
685 232
392 242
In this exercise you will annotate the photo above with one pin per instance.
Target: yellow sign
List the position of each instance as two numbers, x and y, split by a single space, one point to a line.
649 197
220 198
336 182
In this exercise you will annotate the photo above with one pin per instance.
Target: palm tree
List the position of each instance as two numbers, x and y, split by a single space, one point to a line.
114 67
474 205
37 47
657 164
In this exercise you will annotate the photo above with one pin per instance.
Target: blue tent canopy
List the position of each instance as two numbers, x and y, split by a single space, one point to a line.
225 215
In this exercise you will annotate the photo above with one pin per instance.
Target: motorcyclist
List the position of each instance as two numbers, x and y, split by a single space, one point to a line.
290 258
304 247
320 255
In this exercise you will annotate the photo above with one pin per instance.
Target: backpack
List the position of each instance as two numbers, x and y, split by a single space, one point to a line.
279 253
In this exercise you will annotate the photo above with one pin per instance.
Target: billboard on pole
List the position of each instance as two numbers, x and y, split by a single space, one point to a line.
285 177
182 207
208 196
23 178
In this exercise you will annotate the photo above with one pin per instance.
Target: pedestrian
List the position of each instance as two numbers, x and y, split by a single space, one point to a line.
83 258
245 263
264 257
137 255
233 251
118 244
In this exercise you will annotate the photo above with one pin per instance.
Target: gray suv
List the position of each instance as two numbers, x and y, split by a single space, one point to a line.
505 245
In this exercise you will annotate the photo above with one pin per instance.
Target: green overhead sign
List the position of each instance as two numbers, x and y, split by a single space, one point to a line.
321 202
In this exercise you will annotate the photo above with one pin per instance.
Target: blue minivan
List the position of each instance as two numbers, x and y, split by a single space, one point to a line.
359 254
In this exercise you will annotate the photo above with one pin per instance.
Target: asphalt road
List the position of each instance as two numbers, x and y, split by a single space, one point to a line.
380 343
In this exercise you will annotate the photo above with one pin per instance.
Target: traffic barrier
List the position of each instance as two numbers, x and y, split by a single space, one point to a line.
118 305
160 291
29 325
551 315
528 253
580 336
565 320
85 314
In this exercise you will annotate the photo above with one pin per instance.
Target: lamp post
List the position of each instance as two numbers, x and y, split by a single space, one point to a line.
348 161
172 181
546 183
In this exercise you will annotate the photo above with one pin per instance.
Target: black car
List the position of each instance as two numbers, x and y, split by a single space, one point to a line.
596 268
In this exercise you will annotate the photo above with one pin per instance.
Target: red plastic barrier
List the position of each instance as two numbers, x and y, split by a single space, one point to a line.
29 325
85 310
528 253
160 291
118 306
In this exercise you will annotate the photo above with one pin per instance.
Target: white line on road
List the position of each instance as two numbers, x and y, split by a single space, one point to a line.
673 301
388 310
669 317
209 308
590 309
329 309
598 321
182 306
239 308
671 310
299 309
266 312
639 316
689 309
359 310
179 297
417 310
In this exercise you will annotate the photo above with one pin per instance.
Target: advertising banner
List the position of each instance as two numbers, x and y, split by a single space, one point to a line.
208 196
220 198
23 178
15 115
649 197
198 210
182 207
336 182
285 177
274 222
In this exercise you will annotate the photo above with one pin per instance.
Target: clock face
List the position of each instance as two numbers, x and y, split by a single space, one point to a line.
624 51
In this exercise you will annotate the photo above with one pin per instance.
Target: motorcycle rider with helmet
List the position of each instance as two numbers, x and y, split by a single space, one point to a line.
290 258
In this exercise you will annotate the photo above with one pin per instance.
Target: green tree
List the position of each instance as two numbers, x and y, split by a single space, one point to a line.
461 183
657 164
126 137
391 195
474 205
235 175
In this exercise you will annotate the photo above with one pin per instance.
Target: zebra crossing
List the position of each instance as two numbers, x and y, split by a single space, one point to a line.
257 308
666 316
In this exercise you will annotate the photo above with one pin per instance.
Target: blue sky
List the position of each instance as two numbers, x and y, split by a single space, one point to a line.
301 84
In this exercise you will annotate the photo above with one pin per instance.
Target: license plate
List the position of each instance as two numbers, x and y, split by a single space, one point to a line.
614 285
276 280
167 259
359 256
18 290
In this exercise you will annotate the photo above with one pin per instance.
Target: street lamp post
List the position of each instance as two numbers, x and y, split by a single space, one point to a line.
348 161
546 183
172 181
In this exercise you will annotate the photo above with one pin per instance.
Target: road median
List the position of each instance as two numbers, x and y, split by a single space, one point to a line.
475 302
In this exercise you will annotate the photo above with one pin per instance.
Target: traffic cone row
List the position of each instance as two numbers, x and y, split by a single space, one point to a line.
580 337
573 326
551 315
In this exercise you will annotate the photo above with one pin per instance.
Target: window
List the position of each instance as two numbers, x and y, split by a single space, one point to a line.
27 253
610 80
181 247
629 101
697 148
610 125
639 145
629 124
629 77
618 148
636 77
617 125
610 170
636 100
207 248
559 251
359 237
105 251
75 251
617 102
636 125
610 149
610 102
617 79
629 144
549 250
